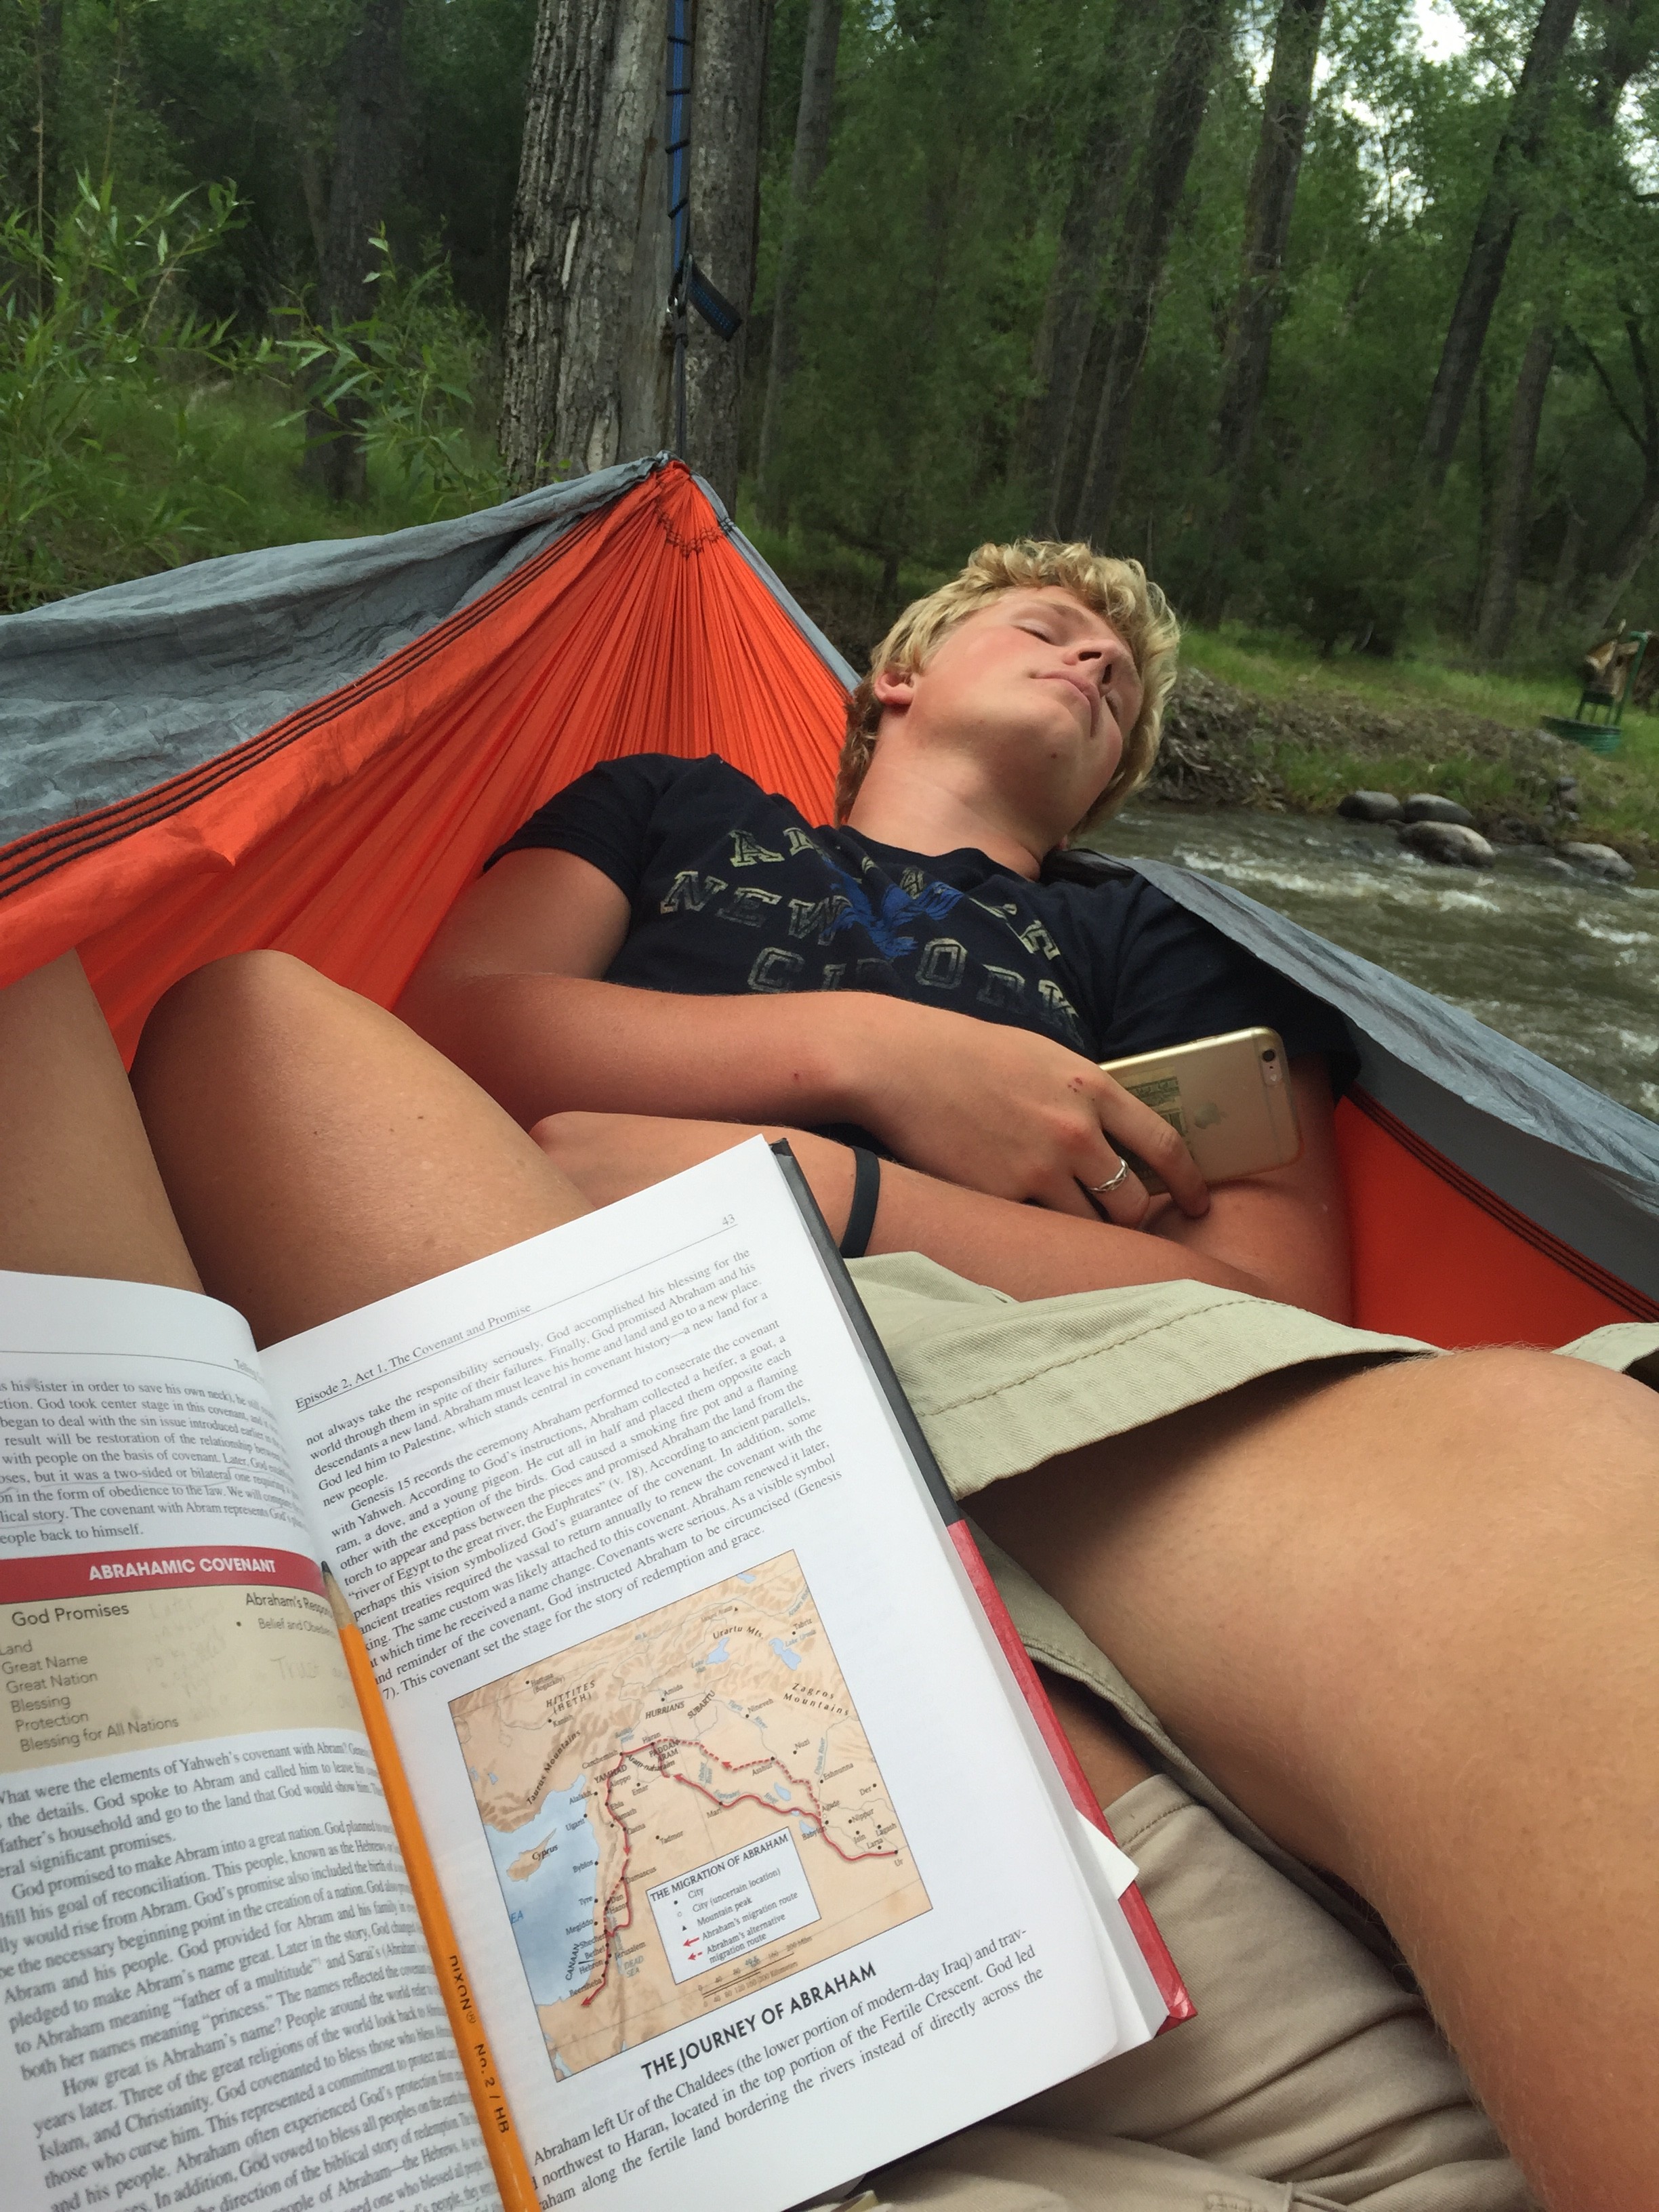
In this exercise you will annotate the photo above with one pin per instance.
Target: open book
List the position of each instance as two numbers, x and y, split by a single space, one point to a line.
731 1773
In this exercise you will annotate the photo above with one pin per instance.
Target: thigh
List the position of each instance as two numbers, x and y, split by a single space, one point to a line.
317 1154
1327 1580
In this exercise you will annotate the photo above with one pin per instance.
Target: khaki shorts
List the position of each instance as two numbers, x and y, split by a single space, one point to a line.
1309 2062
1309 2078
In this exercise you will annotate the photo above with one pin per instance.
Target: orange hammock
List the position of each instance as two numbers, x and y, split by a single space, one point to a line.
344 833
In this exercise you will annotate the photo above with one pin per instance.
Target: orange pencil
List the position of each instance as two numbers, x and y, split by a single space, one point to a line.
501 2137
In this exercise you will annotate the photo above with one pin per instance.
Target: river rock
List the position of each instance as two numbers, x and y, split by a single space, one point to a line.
1452 843
1601 860
1370 806
1430 806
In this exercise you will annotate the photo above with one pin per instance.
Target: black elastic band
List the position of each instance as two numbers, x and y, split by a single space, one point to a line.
866 1196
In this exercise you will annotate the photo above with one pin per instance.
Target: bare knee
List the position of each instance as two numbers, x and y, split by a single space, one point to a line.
221 1026
244 990
1531 1425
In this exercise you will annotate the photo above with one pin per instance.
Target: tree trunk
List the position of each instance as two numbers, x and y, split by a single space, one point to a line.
1636 541
1061 347
812 154
1512 506
1269 203
47 182
1178 114
728 81
1564 584
1626 48
585 368
365 163
588 358
1641 530
1518 150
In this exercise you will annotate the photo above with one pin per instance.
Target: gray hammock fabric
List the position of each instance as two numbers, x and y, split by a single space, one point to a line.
103 696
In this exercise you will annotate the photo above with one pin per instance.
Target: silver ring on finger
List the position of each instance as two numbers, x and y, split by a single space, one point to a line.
1100 1190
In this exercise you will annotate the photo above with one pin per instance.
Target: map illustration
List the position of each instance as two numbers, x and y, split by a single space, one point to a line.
680 1811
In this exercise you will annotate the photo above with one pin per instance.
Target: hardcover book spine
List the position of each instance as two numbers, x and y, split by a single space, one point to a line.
1143 1928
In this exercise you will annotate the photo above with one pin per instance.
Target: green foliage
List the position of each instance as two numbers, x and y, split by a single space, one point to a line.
933 235
1420 724
98 312
135 434
406 380
958 136
932 232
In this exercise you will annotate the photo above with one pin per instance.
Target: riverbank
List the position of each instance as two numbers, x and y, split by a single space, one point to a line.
1301 751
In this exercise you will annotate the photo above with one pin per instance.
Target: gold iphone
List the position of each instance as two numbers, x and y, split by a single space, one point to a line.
1228 1096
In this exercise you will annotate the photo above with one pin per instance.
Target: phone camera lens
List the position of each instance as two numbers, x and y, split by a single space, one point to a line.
1270 1055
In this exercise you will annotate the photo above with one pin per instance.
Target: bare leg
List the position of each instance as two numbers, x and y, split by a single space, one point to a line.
1381 1610
1409 1618
317 1154
79 1193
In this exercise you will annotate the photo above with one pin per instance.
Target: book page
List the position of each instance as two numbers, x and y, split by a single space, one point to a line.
216 1990
757 1877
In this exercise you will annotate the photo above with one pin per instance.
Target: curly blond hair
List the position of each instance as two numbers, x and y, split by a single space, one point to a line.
1118 590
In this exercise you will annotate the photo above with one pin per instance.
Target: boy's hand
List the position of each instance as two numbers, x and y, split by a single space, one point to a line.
1008 1112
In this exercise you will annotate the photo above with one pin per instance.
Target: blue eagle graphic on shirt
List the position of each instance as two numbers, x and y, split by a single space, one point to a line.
899 909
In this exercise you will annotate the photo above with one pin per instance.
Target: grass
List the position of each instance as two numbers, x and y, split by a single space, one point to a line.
1278 667
1328 726
211 469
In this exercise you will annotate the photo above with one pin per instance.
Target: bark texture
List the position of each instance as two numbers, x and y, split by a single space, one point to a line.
728 81
1092 207
1563 583
1177 113
1269 203
1518 150
585 368
811 156
1512 503
1641 530
365 169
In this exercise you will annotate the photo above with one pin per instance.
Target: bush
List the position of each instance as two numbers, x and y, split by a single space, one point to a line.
405 381
97 314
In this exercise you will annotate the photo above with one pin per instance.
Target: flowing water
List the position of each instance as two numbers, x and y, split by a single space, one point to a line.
1566 965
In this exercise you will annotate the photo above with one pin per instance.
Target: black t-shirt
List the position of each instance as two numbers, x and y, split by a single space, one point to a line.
731 891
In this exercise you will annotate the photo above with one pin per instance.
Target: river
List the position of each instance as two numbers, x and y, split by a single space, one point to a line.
1568 966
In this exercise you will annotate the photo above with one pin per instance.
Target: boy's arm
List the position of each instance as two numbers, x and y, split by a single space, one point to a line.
509 991
1278 1235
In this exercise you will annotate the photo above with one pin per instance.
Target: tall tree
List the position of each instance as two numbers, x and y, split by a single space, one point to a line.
1269 202
1111 115
1511 506
728 79
1640 534
587 357
1178 114
585 368
365 163
1632 33
1519 146
806 167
